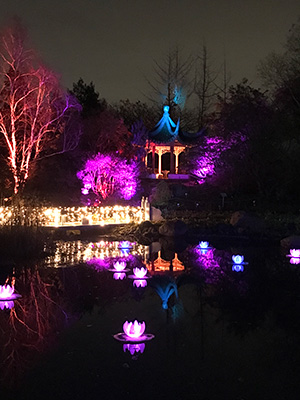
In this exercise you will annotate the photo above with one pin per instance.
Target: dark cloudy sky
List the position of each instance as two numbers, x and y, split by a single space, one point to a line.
113 42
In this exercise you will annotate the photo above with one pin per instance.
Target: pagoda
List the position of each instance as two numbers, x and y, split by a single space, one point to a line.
166 142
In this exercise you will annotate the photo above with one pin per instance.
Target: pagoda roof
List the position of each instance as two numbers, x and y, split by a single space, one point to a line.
166 131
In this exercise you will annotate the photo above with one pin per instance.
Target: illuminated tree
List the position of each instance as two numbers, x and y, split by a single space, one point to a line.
105 175
35 114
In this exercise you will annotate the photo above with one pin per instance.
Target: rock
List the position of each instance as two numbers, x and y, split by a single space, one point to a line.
156 214
247 223
173 228
291 242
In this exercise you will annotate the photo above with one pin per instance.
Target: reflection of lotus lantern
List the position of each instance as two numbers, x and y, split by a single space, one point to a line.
6 304
134 332
119 275
134 329
140 283
134 348
238 267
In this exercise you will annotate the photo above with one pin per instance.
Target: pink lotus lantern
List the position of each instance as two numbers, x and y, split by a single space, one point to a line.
7 293
295 253
140 283
139 273
295 256
134 329
134 332
119 266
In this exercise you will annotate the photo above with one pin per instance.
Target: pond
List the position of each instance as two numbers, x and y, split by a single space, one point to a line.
220 330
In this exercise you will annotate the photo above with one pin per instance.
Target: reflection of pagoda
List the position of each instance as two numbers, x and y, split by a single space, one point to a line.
161 265
166 142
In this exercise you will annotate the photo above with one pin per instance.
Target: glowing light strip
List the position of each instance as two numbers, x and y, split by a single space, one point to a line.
74 216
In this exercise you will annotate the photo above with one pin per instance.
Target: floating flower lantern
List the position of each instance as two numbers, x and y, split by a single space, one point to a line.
139 273
203 247
238 263
294 256
125 245
119 266
134 332
7 293
140 283
119 276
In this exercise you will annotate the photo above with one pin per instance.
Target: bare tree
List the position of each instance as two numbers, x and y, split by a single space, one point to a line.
173 82
34 111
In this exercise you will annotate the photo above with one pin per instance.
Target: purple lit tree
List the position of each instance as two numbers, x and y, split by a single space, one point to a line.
107 175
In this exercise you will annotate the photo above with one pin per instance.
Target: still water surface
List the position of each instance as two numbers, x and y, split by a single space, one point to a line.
221 332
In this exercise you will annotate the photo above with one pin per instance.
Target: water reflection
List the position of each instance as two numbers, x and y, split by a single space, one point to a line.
75 252
197 305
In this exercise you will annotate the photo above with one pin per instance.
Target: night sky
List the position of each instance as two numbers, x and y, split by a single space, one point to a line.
114 42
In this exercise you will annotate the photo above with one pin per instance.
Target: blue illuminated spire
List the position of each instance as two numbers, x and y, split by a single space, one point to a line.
165 130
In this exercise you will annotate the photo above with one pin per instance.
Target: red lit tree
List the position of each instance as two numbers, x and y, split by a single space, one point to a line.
35 114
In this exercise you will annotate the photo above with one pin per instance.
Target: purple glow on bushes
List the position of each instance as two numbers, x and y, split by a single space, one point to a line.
105 175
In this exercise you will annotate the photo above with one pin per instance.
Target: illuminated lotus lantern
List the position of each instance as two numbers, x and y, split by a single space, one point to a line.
294 256
238 263
125 247
119 276
134 332
203 247
7 293
119 266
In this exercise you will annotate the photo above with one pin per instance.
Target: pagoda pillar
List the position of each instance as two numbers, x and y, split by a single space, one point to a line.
153 159
172 159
